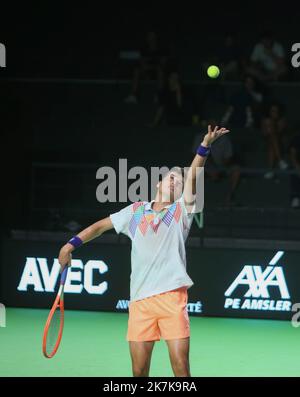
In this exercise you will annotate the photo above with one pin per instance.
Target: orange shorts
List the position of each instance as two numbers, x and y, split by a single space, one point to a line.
159 316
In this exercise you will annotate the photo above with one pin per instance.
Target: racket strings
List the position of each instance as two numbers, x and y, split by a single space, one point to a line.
53 331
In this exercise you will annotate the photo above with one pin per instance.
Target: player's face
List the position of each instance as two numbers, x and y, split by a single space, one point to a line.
171 187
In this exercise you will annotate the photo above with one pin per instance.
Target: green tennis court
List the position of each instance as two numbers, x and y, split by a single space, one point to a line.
94 344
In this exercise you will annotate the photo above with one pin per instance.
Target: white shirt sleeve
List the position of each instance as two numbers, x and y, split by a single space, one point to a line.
121 219
186 217
189 213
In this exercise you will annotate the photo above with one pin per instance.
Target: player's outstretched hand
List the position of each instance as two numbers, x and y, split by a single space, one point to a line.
213 135
65 257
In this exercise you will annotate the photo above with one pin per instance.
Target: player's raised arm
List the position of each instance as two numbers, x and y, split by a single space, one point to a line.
203 150
90 233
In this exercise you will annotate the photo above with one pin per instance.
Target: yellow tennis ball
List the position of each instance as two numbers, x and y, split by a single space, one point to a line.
213 71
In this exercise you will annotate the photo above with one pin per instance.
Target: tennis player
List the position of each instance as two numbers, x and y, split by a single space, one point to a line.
159 281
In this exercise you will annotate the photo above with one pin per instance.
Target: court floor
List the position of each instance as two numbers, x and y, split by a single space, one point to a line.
94 344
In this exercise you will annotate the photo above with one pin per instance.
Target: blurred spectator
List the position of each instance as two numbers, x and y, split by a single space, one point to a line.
274 127
222 162
212 99
152 63
229 57
268 59
294 154
176 103
244 106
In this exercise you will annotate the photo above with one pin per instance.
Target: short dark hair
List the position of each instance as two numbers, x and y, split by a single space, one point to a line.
179 170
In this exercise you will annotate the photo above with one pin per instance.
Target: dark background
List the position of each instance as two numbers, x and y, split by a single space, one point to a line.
74 40
62 116
61 95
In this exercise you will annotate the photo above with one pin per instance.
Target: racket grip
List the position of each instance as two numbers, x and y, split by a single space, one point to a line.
64 275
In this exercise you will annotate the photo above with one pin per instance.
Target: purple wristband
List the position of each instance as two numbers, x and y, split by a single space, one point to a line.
203 151
75 241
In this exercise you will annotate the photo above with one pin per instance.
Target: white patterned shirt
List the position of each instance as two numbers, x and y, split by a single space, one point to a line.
158 257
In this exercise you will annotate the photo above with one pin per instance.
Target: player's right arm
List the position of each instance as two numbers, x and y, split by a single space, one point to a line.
88 234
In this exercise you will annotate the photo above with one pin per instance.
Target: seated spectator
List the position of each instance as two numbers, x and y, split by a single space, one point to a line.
244 106
152 63
176 103
294 154
229 56
268 59
222 162
274 127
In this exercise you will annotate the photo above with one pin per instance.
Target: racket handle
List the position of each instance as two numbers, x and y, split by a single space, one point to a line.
64 275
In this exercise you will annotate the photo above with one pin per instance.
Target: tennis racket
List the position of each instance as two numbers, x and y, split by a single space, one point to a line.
55 322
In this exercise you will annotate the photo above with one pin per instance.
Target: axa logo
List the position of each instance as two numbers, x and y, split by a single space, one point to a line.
37 276
258 282
2 56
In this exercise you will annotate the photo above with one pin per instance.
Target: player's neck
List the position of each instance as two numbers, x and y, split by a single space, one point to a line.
160 202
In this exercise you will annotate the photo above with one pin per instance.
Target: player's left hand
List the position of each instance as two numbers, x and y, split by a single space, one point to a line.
213 135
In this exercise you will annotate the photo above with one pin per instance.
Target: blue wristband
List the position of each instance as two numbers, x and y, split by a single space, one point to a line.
75 241
203 151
